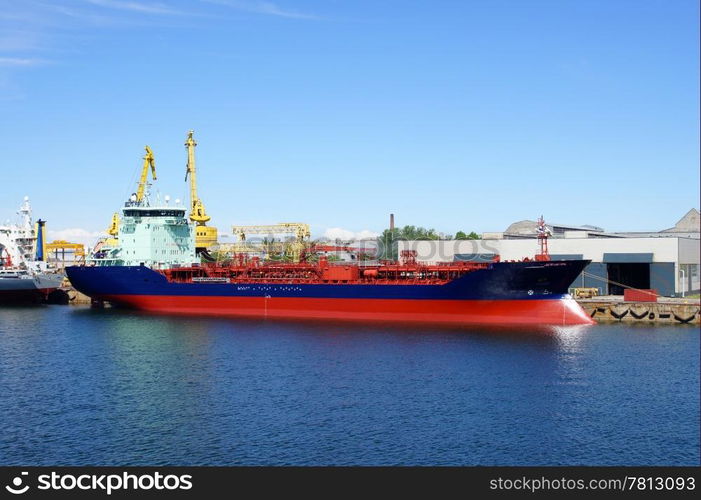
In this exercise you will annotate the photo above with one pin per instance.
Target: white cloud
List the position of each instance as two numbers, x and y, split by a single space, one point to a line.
75 235
147 8
19 61
274 10
259 7
366 234
337 233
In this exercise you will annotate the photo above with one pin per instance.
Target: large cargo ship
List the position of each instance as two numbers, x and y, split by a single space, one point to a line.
153 265
507 293
24 273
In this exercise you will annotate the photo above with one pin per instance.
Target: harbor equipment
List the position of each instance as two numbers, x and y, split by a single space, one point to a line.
62 253
149 162
140 196
294 247
205 236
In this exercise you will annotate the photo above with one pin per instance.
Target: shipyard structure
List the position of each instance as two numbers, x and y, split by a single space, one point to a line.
666 261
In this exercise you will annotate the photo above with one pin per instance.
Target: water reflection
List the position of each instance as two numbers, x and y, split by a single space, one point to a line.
569 337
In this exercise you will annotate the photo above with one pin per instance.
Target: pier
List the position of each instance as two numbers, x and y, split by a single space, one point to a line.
76 298
666 310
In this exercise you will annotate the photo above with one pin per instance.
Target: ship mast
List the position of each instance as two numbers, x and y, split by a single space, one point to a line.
543 233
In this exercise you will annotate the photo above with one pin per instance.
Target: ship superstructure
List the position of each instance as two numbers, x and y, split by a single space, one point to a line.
22 243
157 236
24 273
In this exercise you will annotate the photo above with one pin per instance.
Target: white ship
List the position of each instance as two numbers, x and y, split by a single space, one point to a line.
24 273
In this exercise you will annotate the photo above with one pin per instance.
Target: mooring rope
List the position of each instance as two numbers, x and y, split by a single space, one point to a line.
589 275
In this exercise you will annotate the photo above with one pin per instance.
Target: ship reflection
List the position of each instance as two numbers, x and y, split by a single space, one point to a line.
201 327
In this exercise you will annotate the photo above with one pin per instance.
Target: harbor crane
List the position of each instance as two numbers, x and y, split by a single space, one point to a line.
138 197
148 162
57 249
294 248
300 230
113 230
205 236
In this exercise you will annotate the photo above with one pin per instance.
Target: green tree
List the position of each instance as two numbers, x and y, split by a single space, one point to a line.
390 238
460 235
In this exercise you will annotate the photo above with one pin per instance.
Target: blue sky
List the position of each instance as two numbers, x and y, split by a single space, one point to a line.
456 115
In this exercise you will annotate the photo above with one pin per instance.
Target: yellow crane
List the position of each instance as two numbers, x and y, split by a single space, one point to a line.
148 162
300 230
294 248
205 236
113 230
76 253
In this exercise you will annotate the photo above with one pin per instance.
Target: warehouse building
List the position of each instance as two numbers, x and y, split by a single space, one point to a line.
667 261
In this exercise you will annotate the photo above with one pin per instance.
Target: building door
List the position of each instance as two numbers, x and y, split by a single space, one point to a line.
634 275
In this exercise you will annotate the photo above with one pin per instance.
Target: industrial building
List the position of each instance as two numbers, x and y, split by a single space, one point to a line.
667 260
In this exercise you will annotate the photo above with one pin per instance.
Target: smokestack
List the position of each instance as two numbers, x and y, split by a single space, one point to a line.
391 222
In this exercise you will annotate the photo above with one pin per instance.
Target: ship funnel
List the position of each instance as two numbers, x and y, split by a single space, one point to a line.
40 243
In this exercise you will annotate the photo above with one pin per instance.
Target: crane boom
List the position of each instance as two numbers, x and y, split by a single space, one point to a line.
148 162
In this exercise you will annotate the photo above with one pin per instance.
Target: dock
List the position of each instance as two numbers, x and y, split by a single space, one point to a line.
666 310
77 298
67 295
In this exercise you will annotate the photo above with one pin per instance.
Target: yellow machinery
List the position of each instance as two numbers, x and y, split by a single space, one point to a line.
149 162
585 293
113 231
205 236
294 248
63 253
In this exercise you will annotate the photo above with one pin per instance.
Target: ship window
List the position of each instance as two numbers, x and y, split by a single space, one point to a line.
154 213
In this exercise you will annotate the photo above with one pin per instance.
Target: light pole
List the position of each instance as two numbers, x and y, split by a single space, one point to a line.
683 283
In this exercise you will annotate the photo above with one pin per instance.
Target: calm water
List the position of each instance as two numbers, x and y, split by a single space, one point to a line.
81 386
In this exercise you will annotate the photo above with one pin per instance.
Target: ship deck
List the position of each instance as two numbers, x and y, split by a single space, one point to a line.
323 272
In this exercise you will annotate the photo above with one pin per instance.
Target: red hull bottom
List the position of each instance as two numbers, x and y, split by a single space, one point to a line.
450 312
